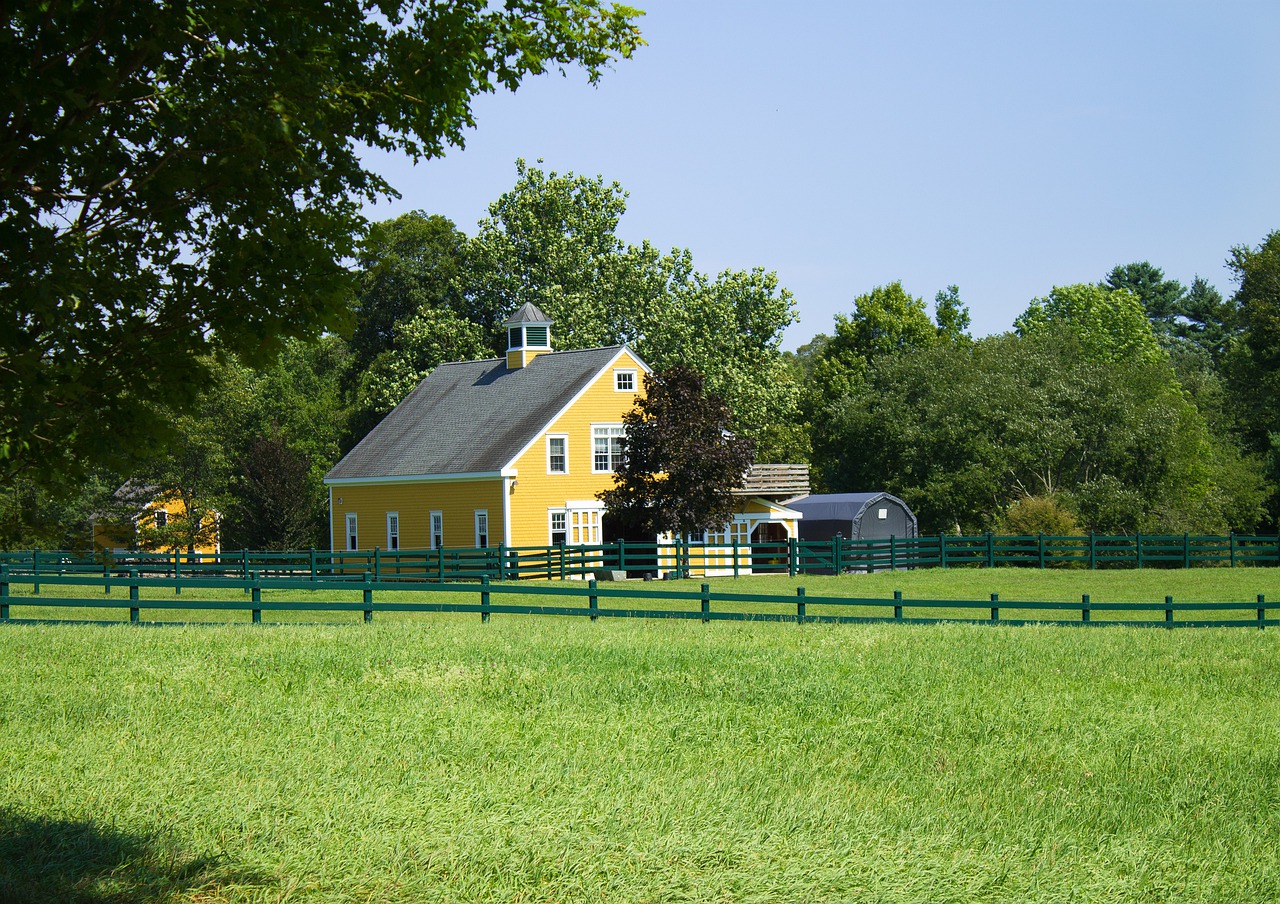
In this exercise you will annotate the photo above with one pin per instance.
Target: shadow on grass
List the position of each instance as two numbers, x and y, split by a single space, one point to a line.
81 862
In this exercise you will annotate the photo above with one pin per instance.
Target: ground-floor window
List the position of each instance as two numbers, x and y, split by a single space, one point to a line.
584 527
482 529
437 530
353 538
393 530
559 527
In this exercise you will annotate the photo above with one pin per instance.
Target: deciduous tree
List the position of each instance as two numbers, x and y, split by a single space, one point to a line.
180 179
682 463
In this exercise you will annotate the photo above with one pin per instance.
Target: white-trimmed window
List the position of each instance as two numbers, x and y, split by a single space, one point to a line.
353 538
437 530
584 526
393 530
482 529
624 380
557 453
559 527
607 447
161 518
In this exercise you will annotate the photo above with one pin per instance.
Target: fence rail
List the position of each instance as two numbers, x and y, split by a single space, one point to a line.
677 558
584 599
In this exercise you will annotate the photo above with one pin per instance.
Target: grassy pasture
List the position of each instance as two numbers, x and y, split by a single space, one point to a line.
434 758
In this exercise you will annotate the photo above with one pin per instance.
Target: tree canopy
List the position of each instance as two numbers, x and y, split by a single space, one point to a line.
1110 324
178 180
682 463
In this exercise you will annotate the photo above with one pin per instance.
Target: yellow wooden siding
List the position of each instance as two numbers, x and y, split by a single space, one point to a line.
536 491
109 535
457 501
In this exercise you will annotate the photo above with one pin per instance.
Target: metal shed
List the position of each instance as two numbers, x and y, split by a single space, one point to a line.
855 516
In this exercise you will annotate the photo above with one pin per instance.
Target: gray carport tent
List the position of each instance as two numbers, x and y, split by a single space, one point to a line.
855 516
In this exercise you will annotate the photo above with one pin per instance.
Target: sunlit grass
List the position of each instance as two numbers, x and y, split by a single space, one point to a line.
540 759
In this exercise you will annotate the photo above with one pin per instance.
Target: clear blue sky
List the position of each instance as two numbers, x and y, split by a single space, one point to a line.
1004 147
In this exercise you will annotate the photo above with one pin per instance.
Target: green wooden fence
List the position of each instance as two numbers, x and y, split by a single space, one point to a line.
584 598
794 557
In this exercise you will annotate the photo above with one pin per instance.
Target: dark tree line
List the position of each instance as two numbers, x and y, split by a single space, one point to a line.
1133 404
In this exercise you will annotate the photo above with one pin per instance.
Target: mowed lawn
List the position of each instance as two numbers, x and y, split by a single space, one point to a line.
544 759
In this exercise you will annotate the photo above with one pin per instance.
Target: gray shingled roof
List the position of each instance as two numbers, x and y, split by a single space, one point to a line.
472 417
528 313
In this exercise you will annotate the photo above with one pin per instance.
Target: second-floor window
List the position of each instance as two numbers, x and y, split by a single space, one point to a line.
607 447
557 455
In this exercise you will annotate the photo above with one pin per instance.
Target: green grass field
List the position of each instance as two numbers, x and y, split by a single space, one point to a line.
553 759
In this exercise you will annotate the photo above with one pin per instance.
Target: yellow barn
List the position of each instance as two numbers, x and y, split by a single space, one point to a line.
507 451
153 510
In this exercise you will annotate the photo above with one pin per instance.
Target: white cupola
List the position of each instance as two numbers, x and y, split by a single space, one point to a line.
528 335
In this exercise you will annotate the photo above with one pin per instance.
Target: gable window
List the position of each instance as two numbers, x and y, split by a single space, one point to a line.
437 530
557 454
353 539
393 530
559 527
607 445
482 529
624 380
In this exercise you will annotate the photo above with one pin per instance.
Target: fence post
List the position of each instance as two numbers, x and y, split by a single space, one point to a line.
177 575
622 554
367 597
4 593
484 598
995 610
313 563
562 568
1084 607
133 594
942 550
837 553
35 571
1137 544
593 601
793 556
377 563
1093 552
1168 612
257 600
897 604
1262 610
735 556
1186 550
799 605
440 564
502 561
244 557
1041 550
991 551
706 603
893 553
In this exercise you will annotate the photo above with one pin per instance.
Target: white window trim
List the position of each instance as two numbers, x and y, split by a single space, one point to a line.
487 532
353 533
432 518
612 466
393 535
618 372
565 437
551 528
